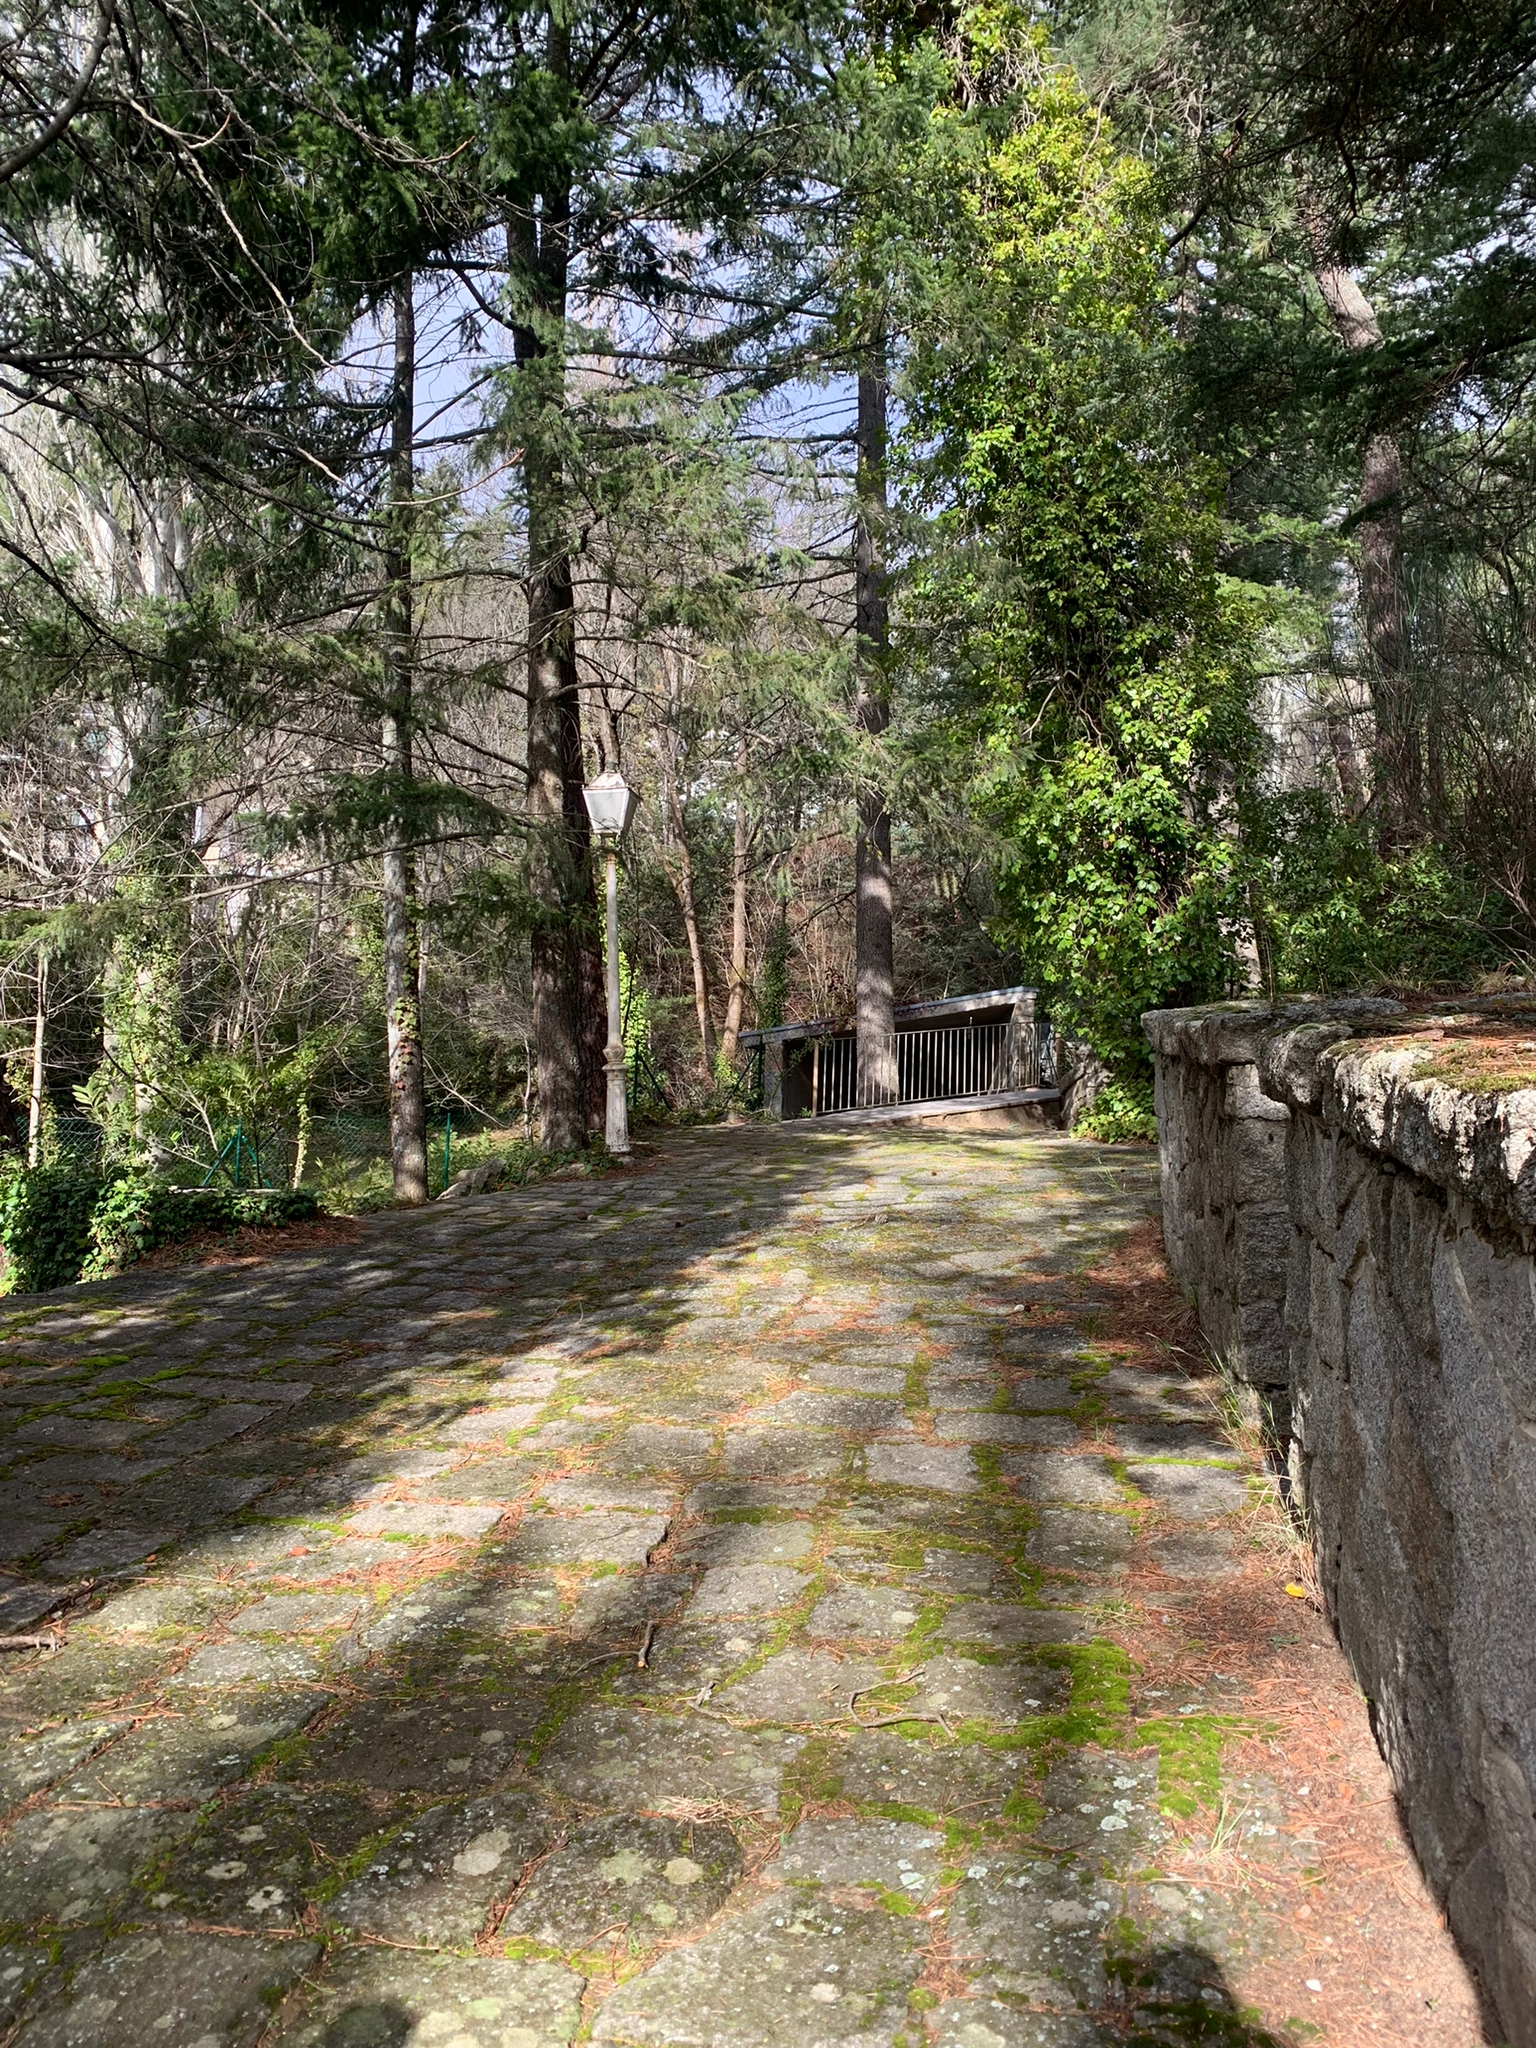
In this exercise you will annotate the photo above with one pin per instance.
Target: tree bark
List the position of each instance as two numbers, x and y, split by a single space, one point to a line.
741 847
874 963
568 1004
678 861
562 1126
1341 741
569 1008
1383 602
39 1072
402 988
11 1129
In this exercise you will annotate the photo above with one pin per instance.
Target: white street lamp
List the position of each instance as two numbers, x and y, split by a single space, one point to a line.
610 805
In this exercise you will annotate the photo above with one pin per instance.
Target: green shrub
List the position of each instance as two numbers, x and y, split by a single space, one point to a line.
57 1225
136 1214
1335 913
1122 1113
45 1226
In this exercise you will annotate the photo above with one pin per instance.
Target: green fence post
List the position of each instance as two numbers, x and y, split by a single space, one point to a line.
447 1146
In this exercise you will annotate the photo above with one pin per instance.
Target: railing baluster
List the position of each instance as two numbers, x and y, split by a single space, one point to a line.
932 1064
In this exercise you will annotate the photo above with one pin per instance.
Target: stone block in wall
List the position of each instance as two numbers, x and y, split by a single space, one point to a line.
1260 1247
1243 1098
1307 1173
1350 1240
1486 1315
1315 1407
1365 1363
1478 1896
1420 1520
1511 1848
1260 1356
1325 1308
1406 1220
1256 1159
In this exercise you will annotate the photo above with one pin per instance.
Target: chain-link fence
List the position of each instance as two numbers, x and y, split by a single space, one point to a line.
344 1154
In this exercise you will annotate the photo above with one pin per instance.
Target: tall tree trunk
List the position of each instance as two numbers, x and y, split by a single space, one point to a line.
39 1075
741 847
1341 741
1383 602
874 963
569 1006
402 987
678 861
560 850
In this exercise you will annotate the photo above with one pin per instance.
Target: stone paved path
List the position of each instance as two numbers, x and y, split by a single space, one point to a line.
774 1598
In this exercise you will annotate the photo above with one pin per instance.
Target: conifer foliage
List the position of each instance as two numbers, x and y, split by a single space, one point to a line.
1021 495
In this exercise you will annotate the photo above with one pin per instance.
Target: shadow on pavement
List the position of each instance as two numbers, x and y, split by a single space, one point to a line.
435 1562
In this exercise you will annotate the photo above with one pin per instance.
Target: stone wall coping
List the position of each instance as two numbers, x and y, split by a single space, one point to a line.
1320 1055
1227 1034
1479 1146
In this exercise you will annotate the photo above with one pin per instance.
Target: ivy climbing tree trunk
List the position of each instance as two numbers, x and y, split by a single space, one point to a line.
402 983
874 963
39 1045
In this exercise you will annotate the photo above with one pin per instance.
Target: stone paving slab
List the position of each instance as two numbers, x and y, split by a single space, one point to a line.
627 1873
744 1589
420 1518
926 1466
989 2023
744 1543
804 1975
1194 1493
373 1998
418 1742
606 1755
1063 1481
200 1990
540 1622
255 1862
31 1761
66 1864
433 1880
896 1856
188 1755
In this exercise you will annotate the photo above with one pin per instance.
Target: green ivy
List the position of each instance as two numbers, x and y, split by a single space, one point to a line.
1102 673
1334 912
135 1214
45 1226
1122 1113
773 976
58 1226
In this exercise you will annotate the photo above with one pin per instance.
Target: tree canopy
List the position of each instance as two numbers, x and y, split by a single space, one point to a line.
1023 495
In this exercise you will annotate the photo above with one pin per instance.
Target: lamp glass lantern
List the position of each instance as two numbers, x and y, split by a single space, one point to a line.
610 803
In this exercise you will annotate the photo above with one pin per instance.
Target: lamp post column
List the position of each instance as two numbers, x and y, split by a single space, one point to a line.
617 1128
610 805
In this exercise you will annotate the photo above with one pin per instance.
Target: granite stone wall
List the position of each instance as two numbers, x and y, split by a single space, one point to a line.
1221 1145
1375 1252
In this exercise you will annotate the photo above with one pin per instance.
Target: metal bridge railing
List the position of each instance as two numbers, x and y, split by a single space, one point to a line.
933 1065
937 1064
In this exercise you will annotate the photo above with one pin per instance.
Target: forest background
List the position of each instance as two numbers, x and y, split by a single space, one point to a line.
1075 463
